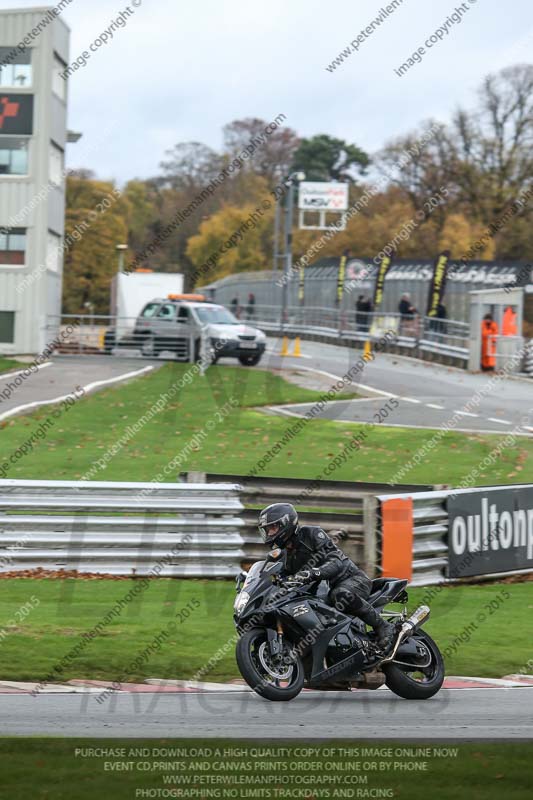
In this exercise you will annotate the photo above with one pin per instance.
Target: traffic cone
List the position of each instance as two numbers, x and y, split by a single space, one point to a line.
284 346
367 351
297 350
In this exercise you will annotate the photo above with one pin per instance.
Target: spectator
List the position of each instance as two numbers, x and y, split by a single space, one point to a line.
250 309
405 308
489 334
509 327
408 327
234 306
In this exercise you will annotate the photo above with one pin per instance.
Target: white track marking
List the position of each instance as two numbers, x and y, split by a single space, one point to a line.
353 383
285 411
434 405
466 414
345 400
20 371
409 399
501 421
87 388
405 425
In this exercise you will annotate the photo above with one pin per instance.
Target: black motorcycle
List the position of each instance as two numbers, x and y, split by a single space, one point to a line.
289 637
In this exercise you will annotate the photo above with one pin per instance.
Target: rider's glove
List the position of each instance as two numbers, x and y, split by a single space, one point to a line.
308 575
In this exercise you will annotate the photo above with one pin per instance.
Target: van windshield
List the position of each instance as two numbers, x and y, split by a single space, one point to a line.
216 314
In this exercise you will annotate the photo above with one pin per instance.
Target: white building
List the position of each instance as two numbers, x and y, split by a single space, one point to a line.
34 46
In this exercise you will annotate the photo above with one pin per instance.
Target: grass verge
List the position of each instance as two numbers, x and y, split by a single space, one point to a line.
469 623
9 364
236 442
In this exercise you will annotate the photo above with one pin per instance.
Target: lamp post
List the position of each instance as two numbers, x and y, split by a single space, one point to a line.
121 249
292 181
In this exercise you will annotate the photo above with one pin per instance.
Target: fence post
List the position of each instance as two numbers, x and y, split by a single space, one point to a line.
370 521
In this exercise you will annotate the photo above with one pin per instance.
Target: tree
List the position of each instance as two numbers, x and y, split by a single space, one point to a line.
324 158
95 223
484 157
459 233
190 166
141 212
272 158
248 252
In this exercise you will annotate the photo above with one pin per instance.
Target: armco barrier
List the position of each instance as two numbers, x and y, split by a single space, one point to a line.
208 525
433 537
334 505
207 528
121 528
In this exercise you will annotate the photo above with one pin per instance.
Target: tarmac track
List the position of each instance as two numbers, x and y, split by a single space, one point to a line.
429 395
453 714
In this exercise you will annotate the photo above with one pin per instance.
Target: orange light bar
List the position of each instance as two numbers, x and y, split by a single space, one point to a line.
196 297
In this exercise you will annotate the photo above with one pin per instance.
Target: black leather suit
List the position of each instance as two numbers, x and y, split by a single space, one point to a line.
311 547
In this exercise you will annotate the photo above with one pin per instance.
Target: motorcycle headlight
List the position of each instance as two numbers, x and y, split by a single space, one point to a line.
240 602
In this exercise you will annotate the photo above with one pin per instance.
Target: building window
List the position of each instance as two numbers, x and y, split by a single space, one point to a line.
53 252
15 68
56 164
7 327
12 246
13 155
59 86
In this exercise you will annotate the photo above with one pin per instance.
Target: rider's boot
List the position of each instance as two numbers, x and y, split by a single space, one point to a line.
384 630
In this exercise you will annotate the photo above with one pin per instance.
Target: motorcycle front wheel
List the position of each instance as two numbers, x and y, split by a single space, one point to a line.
272 677
420 677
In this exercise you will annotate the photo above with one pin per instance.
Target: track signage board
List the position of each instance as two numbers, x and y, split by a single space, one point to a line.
490 531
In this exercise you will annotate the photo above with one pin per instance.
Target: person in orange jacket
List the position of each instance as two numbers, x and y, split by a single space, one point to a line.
509 322
489 332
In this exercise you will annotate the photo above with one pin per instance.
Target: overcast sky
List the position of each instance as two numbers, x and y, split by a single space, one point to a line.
178 71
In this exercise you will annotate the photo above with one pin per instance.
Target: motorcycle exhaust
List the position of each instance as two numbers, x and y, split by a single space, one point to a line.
411 623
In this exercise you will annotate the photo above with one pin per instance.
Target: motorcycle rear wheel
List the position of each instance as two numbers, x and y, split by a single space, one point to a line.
259 671
417 681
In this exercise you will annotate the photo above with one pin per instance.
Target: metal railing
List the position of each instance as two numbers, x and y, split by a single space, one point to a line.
205 528
190 530
98 334
344 509
430 537
528 359
419 335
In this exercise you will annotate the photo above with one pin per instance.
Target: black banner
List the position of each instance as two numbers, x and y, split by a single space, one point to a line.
490 531
16 114
438 283
385 265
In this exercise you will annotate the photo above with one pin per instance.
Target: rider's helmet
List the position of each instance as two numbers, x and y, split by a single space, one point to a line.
278 523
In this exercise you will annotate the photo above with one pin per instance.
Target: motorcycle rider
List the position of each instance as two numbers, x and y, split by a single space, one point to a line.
310 555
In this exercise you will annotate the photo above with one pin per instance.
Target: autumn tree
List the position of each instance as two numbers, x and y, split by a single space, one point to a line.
245 235
95 223
271 159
